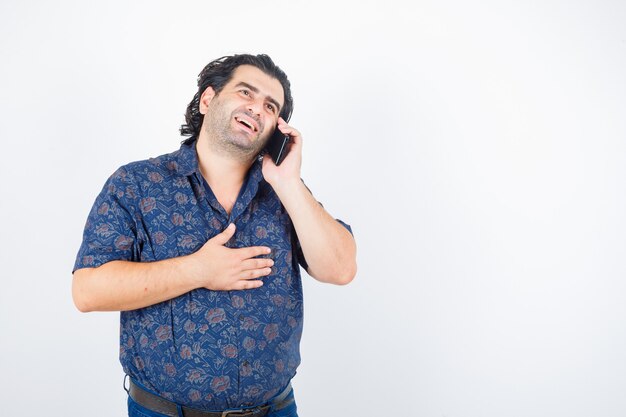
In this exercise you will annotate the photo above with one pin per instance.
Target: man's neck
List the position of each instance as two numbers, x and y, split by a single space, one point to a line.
224 174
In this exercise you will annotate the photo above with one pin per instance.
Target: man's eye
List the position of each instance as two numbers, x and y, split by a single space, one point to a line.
245 92
271 108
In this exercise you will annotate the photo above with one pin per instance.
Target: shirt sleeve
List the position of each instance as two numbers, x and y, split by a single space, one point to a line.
110 233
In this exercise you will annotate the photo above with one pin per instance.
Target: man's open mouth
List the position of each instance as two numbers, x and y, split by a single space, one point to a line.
246 123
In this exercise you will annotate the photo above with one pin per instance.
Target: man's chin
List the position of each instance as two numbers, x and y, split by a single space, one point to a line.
244 145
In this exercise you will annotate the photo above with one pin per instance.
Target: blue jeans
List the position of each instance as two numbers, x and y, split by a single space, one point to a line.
285 408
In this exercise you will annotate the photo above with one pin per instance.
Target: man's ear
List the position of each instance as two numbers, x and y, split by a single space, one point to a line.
205 99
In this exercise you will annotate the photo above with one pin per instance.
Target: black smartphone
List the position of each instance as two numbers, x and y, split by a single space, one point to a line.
277 146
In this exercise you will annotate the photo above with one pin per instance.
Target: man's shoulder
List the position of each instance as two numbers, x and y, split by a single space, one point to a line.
159 168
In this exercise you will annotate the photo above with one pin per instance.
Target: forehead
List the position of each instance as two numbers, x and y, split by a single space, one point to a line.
267 85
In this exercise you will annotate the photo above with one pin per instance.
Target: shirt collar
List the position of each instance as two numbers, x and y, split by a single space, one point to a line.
187 164
187 161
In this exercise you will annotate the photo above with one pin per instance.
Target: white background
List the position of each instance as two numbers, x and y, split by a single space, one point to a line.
477 149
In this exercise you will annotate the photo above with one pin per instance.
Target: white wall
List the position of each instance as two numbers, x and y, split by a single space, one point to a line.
477 148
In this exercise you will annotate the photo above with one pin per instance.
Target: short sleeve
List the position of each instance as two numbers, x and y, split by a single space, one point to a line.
110 233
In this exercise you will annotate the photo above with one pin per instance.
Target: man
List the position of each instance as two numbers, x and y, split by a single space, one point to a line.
199 250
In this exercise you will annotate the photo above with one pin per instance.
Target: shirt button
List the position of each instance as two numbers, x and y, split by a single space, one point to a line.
246 363
241 317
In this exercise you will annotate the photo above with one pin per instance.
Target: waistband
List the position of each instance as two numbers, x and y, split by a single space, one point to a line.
164 406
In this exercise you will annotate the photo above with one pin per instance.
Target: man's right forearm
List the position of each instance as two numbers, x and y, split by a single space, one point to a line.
123 285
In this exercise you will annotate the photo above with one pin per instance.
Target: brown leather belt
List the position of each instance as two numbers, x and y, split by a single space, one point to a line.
161 405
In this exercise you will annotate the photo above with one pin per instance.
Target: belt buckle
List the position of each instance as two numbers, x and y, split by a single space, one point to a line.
227 412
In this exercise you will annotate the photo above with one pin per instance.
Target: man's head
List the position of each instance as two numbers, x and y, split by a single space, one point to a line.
218 74
239 120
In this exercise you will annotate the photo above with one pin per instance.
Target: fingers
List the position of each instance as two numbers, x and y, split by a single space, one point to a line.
225 236
249 252
253 251
256 263
243 285
248 285
250 279
255 273
288 130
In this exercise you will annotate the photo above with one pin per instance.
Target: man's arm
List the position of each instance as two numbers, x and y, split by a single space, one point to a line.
124 285
329 248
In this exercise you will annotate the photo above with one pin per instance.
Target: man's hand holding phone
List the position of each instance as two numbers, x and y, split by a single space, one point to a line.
288 172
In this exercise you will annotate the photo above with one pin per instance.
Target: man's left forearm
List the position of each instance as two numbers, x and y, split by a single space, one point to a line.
328 247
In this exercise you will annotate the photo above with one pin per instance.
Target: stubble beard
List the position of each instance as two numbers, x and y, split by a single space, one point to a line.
225 140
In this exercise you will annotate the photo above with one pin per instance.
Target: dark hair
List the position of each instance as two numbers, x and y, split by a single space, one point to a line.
217 74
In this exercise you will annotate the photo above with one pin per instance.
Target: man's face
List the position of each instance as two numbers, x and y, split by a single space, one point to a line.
244 114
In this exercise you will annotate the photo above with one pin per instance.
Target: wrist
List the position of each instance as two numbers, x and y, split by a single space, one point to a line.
287 185
190 268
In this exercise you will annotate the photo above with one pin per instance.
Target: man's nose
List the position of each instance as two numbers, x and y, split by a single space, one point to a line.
255 107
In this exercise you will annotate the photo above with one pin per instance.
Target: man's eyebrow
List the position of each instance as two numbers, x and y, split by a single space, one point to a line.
256 90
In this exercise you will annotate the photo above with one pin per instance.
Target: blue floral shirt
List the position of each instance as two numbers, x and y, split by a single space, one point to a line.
211 350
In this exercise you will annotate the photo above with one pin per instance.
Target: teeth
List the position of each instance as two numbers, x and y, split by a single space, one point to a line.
246 123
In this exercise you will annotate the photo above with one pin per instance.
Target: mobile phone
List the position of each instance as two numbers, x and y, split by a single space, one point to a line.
277 146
